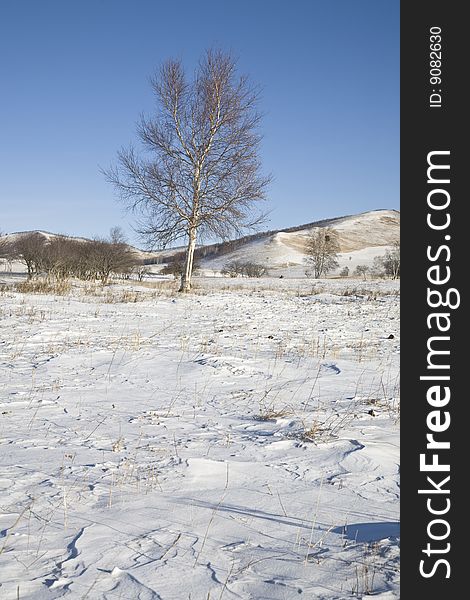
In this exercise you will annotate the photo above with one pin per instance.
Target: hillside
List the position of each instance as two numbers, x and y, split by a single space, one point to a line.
47 235
361 238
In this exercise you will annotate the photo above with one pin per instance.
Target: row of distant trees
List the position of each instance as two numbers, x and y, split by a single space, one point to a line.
233 268
61 257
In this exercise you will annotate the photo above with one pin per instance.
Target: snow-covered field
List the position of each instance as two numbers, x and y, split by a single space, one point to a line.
238 442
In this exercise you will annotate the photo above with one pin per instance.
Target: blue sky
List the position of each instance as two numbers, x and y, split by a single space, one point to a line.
74 77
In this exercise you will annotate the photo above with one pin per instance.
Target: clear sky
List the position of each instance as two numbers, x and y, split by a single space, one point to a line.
74 78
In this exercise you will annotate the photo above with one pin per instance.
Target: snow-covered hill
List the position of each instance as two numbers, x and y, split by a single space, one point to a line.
361 238
48 236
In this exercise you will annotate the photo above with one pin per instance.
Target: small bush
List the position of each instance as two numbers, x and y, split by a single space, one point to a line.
176 267
235 268
254 270
362 271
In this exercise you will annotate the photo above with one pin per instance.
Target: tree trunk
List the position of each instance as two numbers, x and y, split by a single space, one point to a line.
188 266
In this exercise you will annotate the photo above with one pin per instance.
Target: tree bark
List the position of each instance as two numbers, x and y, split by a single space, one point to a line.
192 233
188 267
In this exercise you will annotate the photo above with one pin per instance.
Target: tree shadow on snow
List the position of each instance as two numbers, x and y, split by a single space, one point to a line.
369 532
248 512
358 532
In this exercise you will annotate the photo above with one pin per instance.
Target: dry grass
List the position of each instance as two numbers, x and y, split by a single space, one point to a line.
365 571
271 414
366 293
44 286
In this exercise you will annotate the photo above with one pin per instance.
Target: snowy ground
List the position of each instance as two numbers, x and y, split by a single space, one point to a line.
238 442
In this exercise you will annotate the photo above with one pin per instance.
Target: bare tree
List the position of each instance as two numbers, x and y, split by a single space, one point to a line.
362 270
200 175
378 269
391 261
57 257
177 267
7 252
234 268
117 236
251 269
321 249
5 246
141 270
111 256
29 248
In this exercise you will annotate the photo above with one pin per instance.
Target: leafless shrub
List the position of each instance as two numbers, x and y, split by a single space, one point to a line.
5 247
29 249
60 257
254 269
141 271
177 267
235 268
107 257
362 271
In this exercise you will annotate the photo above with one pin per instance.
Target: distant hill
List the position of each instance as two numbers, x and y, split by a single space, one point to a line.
361 237
47 235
